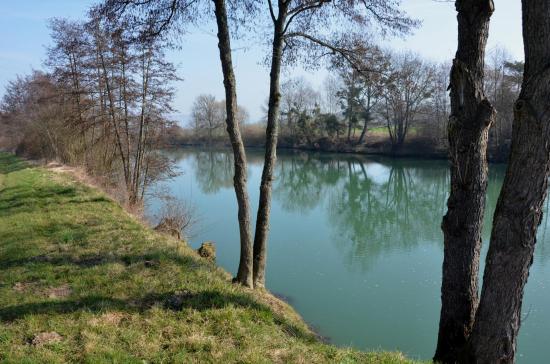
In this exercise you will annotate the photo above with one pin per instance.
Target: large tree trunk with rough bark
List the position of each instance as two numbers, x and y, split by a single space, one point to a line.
469 123
264 207
519 208
245 271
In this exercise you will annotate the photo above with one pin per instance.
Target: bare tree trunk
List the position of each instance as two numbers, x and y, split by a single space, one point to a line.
112 113
124 99
519 208
245 271
469 124
350 126
140 143
262 220
363 132
366 119
77 93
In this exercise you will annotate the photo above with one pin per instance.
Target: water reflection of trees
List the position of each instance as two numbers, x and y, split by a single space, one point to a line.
398 212
377 207
302 181
373 207
213 170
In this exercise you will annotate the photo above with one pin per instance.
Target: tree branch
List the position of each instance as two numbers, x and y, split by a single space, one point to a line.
300 9
271 12
347 54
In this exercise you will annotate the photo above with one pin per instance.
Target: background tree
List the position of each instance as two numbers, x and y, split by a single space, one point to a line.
410 86
361 91
208 115
297 98
35 109
503 84
330 100
438 108
68 59
351 101
332 125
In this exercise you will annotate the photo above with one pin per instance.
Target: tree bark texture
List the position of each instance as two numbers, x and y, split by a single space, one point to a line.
469 123
245 271
519 207
264 207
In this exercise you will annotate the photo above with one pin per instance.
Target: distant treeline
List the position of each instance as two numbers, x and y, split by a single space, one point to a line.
400 108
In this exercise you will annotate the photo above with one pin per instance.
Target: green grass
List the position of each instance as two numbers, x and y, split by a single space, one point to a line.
75 263
383 131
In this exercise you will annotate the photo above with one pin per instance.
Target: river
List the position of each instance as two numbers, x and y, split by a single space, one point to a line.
355 244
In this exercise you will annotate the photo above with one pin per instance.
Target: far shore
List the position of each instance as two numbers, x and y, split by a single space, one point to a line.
414 149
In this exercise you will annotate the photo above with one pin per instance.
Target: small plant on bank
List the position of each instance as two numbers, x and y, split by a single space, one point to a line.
176 216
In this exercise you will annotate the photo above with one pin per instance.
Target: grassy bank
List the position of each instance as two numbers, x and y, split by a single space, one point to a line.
83 281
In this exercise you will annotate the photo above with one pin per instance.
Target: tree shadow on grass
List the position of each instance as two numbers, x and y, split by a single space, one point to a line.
26 199
201 301
149 259
18 246
212 300
10 163
89 303
172 301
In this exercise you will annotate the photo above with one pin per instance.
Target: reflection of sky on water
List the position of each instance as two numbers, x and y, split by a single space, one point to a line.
377 172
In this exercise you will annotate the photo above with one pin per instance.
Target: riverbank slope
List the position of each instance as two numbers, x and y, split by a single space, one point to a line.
83 281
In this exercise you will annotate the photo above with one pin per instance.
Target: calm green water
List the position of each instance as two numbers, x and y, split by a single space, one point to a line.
355 243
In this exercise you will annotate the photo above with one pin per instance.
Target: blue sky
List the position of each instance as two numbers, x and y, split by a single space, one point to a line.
24 36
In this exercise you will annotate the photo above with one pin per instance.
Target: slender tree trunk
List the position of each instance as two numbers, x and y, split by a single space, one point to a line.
140 143
125 101
367 118
519 208
350 120
102 108
469 124
112 112
390 126
245 271
363 132
77 93
262 220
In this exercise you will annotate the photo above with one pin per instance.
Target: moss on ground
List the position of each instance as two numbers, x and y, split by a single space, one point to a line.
83 281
